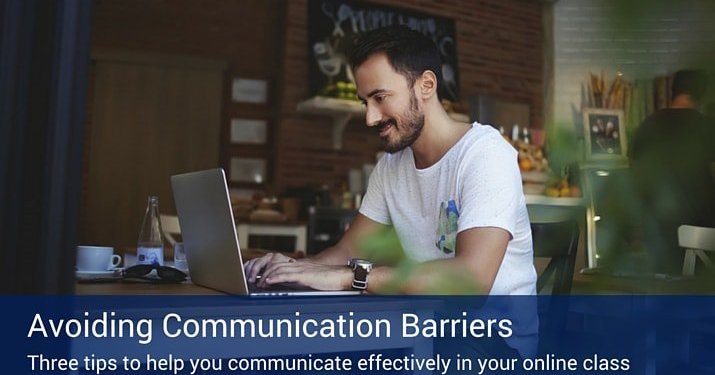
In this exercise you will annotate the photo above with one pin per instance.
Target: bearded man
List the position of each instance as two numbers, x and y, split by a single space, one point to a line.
451 191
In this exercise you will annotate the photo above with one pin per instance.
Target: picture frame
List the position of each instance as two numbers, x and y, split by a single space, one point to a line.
248 170
249 131
604 134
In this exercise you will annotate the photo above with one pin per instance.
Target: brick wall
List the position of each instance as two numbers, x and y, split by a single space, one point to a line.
500 53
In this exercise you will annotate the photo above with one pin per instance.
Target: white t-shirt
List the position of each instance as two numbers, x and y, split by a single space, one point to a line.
476 184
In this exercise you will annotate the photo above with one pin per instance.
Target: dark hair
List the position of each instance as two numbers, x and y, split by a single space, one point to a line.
409 52
691 82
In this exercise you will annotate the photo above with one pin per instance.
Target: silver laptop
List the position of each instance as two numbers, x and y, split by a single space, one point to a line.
208 230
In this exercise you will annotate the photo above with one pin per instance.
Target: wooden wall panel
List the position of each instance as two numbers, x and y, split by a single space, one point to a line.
152 119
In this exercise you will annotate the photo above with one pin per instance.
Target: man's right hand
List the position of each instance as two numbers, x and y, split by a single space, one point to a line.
255 267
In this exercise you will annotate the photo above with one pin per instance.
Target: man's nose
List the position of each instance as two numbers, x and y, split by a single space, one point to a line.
372 116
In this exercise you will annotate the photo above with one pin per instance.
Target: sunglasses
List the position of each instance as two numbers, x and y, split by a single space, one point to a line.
142 271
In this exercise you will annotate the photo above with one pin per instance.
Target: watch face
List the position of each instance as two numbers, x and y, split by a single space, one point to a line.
362 263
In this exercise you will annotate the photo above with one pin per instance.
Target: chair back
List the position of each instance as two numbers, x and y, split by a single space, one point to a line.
170 227
696 241
694 237
559 242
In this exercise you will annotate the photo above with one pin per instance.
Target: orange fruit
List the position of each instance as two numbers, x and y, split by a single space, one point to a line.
551 192
525 164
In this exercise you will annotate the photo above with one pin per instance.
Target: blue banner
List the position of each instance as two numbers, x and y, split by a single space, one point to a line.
358 335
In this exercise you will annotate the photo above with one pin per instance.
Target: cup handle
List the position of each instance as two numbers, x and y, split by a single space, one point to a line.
116 260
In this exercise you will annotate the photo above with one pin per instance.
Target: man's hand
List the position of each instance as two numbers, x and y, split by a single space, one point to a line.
255 267
276 268
305 272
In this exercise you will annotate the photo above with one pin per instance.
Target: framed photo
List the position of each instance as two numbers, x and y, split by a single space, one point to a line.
604 133
249 170
250 131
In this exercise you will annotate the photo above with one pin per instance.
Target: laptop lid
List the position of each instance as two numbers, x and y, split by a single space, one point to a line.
208 230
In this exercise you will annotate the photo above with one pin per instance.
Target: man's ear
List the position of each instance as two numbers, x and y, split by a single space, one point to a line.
427 84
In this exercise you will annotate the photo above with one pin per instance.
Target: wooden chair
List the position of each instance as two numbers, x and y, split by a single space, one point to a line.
559 242
170 227
696 241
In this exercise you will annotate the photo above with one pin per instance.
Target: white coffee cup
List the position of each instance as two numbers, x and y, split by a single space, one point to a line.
97 258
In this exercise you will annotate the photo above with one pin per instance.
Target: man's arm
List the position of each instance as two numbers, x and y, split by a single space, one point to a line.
479 254
474 268
347 247
337 255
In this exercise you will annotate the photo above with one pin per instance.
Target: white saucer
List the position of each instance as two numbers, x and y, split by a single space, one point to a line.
96 274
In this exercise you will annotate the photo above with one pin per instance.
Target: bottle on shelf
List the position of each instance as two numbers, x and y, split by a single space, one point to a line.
150 245
526 135
502 132
346 197
515 133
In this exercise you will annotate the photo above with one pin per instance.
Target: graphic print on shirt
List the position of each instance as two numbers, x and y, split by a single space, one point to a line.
447 227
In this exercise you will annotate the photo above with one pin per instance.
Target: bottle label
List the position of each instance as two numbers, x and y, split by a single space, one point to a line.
150 255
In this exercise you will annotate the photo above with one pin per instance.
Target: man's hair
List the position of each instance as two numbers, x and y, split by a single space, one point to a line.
409 52
690 82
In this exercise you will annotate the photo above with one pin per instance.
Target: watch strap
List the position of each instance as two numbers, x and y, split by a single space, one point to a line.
359 277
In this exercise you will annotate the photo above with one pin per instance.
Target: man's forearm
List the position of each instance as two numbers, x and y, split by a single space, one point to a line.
329 271
446 276
335 256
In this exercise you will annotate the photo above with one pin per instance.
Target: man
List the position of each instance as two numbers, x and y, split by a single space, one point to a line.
671 156
451 191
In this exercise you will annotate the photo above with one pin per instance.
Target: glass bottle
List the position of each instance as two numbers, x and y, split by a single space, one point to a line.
502 131
526 135
150 246
515 133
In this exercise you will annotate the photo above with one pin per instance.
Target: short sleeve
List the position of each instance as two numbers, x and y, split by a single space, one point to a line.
374 204
490 186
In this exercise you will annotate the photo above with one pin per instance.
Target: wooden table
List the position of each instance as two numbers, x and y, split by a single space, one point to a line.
141 288
120 288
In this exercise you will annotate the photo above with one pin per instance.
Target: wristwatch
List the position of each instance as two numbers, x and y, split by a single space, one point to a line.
361 268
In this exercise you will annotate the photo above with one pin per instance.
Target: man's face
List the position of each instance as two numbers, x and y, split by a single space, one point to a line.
391 104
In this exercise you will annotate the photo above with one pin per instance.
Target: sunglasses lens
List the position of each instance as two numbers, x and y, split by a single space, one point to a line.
169 273
164 273
138 270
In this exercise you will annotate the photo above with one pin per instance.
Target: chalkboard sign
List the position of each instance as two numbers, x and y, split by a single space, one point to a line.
334 25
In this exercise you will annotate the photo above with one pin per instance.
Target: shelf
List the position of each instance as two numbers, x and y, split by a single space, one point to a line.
554 201
342 111
331 106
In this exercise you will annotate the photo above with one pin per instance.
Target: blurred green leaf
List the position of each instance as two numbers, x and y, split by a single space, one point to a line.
562 147
383 247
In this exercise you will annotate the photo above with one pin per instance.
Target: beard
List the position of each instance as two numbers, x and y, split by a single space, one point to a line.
408 128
